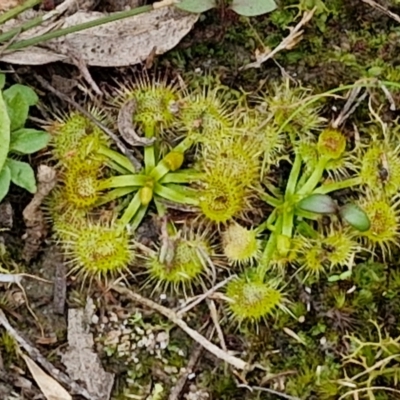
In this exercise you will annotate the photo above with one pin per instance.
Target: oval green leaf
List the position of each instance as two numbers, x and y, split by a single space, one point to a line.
28 141
318 204
4 132
5 179
196 6
334 278
28 94
355 216
22 175
18 110
2 80
252 8
345 275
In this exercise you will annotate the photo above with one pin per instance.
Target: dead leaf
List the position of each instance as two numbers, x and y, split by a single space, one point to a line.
81 361
51 389
116 44
7 4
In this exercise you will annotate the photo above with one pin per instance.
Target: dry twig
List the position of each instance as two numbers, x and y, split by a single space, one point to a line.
214 317
190 304
173 317
384 10
287 43
271 391
350 106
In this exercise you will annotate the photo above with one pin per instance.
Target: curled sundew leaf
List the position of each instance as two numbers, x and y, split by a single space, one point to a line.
318 204
355 216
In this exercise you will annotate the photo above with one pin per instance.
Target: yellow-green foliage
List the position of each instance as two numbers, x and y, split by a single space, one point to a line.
74 135
156 103
252 297
81 184
331 144
322 254
98 250
223 162
204 115
380 167
222 197
240 245
181 261
384 215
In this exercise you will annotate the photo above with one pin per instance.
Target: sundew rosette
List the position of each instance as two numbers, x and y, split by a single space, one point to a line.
241 246
156 104
252 297
74 136
98 250
181 262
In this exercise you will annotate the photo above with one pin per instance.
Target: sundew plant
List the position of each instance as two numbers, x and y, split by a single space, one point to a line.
217 165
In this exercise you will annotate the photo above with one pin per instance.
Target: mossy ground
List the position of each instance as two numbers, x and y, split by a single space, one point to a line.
345 41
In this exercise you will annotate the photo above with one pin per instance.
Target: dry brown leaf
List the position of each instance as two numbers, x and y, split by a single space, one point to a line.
51 389
7 4
121 43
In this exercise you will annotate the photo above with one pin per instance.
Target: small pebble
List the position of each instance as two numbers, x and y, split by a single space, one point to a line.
171 370
112 317
125 338
123 348
139 331
112 337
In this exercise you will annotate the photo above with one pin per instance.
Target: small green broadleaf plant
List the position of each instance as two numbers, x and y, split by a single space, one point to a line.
15 139
247 8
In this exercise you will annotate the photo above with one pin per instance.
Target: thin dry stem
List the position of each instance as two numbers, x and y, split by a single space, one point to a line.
287 43
214 317
173 317
372 388
193 303
275 392
384 10
350 106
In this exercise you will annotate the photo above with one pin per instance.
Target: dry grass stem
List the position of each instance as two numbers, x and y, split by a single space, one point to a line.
173 317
